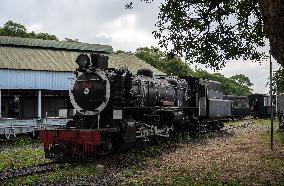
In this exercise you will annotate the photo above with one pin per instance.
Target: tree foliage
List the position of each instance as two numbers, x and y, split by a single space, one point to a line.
229 86
241 79
123 52
211 32
13 29
158 59
278 81
175 66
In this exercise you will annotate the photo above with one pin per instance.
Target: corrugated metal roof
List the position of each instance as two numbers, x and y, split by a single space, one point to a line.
39 43
61 60
37 59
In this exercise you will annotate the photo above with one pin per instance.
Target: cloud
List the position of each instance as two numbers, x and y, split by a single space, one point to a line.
35 28
89 21
125 34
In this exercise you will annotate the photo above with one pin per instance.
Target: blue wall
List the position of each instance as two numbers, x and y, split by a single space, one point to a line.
29 79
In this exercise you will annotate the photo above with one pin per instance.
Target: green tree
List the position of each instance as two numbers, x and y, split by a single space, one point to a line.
123 52
45 36
211 32
152 55
242 79
229 86
13 29
278 81
171 65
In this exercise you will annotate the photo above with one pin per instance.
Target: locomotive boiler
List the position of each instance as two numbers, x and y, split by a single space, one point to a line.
116 108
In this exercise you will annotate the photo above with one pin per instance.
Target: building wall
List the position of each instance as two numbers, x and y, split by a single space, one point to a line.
29 79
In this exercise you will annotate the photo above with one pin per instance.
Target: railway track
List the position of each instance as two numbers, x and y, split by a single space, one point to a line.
25 171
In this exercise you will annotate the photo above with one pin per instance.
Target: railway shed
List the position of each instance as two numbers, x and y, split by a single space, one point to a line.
35 74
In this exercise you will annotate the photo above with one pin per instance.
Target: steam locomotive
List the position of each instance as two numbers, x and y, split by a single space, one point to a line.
116 108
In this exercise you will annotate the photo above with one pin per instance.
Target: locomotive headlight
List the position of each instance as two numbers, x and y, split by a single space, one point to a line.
83 60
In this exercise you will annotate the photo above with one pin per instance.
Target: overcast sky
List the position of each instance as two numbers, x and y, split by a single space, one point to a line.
108 22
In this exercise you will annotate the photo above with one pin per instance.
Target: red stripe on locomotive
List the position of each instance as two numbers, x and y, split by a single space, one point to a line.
91 137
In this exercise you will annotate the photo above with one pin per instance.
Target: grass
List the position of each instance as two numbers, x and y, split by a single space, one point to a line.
29 180
13 159
182 177
70 171
22 152
59 174
263 121
231 123
20 141
256 121
189 138
137 161
152 152
23 141
279 136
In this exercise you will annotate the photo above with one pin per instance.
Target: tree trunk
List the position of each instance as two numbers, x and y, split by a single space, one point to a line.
273 17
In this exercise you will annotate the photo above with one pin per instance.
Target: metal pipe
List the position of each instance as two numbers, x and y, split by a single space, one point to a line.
98 121
148 93
271 109
39 104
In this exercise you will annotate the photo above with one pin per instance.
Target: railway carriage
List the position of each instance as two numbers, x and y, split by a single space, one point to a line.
260 105
239 106
12 127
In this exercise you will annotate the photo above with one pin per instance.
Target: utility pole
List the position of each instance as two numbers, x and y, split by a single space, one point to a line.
271 109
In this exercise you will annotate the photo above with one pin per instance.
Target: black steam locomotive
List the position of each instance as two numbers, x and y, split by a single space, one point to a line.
116 109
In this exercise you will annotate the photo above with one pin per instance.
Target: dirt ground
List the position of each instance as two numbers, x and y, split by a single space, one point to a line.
233 156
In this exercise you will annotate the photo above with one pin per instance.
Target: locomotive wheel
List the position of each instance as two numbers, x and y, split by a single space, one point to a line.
120 145
107 147
159 140
57 152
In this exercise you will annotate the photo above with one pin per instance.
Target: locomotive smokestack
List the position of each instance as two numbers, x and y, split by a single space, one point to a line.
83 61
99 61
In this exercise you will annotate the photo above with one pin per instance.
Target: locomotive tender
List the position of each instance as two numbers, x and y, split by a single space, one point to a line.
116 108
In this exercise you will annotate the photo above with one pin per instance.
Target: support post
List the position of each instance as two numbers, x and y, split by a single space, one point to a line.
271 109
0 103
39 104
276 99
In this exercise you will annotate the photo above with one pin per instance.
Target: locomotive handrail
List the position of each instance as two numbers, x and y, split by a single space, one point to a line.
179 108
